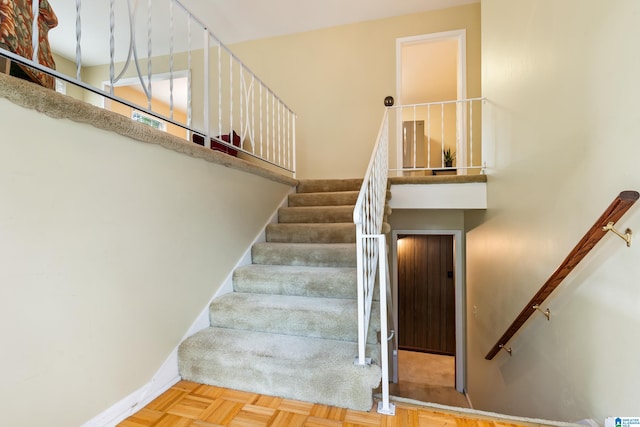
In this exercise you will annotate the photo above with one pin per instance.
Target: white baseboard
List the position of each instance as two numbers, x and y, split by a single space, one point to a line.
168 374
132 403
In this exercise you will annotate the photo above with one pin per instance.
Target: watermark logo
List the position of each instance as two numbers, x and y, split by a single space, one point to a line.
622 422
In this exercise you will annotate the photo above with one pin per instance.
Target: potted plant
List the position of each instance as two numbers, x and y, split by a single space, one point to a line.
448 157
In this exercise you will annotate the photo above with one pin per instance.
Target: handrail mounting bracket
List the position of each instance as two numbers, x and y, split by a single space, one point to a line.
507 349
546 312
626 236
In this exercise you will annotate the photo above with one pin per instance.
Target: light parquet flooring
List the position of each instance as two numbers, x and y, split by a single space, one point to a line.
189 404
427 377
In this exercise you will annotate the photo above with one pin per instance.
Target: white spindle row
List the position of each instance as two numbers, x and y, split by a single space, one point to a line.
371 255
266 126
453 122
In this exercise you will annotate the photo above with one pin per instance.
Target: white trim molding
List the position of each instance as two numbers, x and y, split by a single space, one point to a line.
461 87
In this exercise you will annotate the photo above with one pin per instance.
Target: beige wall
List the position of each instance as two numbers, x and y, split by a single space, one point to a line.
562 78
421 219
429 71
110 248
68 68
336 80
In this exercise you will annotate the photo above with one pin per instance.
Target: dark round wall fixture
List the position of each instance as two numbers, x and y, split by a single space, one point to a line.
388 101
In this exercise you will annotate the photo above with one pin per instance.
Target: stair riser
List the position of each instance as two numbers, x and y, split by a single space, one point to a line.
323 199
316 215
311 233
321 372
282 254
328 185
300 281
300 316
347 198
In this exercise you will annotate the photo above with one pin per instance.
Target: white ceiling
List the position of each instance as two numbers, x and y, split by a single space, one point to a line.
231 21
239 20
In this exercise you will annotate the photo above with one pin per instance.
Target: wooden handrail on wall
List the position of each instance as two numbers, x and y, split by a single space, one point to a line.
614 212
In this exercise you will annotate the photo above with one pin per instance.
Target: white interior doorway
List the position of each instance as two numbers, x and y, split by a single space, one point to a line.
432 68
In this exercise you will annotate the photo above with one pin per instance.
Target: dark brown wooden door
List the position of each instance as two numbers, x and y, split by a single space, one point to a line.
426 294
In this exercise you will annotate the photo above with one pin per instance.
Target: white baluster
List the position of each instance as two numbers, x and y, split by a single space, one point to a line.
219 88
429 136
273 126
288 164
230 93
78 40
293 167
268 120
112 47
279 132
414 142
171 30
471 132
149 54
206 118
189 94
242 92
261 141
442 131
253 115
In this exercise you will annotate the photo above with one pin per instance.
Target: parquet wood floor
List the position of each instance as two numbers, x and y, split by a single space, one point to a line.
189 404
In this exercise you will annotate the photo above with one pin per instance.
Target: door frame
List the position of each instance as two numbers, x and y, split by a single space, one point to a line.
459 293
461 37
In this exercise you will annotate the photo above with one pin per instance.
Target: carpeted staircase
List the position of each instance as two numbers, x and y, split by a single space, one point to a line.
289 329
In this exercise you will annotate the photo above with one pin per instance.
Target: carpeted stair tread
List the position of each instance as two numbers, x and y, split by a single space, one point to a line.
315 214
328 185
310 254
329 318
329 282
290 327
293 367
338 198
311 233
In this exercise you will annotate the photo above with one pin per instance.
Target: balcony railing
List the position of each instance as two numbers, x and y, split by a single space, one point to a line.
157 61
437 138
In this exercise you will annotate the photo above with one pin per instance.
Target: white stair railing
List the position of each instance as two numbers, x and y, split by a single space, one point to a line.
145 41
372 264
